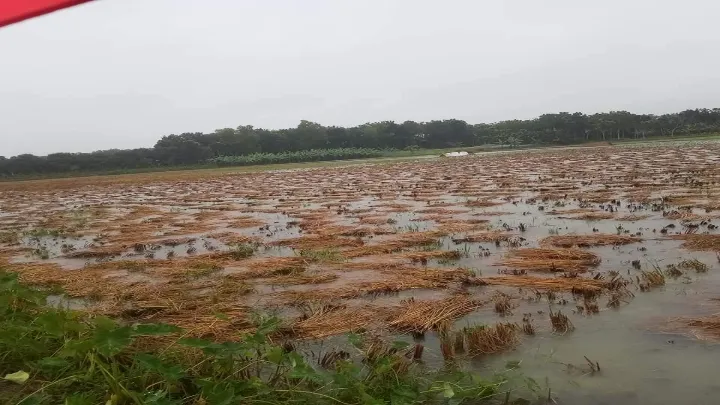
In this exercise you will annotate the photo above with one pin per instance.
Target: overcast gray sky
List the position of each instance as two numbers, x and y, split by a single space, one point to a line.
122 73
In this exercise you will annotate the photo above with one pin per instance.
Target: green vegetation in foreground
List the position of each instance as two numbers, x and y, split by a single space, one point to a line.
57 356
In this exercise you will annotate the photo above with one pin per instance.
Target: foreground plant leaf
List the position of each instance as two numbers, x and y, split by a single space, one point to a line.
154 329
448 391
112 341
18 377
172 372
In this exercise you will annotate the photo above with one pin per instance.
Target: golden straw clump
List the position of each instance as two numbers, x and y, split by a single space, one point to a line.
550 260
329 321
420 316
560 283
497 338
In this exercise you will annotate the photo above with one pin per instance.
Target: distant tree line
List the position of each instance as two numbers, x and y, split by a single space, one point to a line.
199 148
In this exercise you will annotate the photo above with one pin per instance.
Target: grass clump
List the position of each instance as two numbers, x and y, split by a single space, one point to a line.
242 251
651 279
693 264
321 255
560 322
483 339
56 356
673 271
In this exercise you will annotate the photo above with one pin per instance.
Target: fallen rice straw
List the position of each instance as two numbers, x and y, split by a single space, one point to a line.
569 241
491 339
341 320
560 283
552 260
421 316
699 242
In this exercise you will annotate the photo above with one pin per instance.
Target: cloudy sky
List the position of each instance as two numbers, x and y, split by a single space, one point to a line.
122 73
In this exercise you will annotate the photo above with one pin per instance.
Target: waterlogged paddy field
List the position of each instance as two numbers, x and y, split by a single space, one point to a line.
592 270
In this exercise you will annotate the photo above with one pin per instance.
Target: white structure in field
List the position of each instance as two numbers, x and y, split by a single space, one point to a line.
455 154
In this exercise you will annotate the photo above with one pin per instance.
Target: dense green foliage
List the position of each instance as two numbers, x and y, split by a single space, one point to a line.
197 148
56 356
313 155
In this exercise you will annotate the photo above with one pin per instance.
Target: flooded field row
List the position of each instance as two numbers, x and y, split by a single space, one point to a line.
595 271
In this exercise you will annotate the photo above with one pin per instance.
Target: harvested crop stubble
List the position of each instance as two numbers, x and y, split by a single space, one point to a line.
686 216
552 260
481 203
347 230
591 216
172 241
232 238
569 241
341 320
560 322
421 316
493 213
382 263
561 283
375 220
370 250
271 266
319 242
572 211
394 244
699 242
634 217
493 236
693 264
394 207
470 221
432 217
191 228
484 339
461 226
298 279
440 211
432 254
410 239
651 279
355 290
219 322
78 283
316 226
438 275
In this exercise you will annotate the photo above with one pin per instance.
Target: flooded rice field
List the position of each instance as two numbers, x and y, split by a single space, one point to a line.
591 274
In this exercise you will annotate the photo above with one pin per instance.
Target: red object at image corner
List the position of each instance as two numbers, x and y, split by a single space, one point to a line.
12 11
